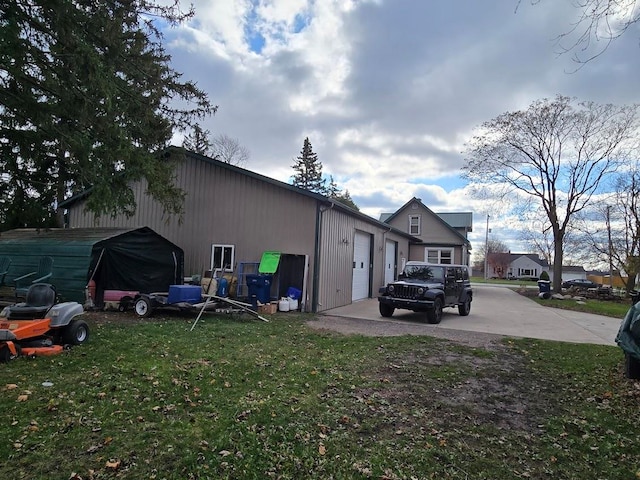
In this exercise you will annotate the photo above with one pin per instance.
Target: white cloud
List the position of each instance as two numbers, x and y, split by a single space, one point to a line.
388 92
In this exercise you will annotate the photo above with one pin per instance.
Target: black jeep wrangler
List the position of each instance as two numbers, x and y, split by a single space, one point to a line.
424 287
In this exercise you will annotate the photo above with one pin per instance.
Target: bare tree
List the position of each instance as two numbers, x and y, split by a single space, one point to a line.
613 228
599 23
500 262
229 150
492 246
554 155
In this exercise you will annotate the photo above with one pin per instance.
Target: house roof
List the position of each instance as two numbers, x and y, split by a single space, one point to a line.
573 268
435 215
301 191
454 219
458 219
531 256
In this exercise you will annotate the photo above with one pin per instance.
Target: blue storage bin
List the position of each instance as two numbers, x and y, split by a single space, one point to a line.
184 293
294 293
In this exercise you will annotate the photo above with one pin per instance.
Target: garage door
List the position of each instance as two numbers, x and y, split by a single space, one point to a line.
389 262
361 262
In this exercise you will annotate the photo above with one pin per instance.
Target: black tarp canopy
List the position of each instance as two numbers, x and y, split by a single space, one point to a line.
114 258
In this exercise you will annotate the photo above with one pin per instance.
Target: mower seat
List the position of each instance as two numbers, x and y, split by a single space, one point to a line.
40 298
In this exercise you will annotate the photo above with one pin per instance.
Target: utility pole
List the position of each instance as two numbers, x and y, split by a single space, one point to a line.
486 249
610 246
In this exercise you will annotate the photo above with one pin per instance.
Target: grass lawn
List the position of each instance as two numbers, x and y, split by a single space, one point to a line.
611 308
243 399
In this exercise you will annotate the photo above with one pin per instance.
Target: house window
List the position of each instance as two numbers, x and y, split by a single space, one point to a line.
442 256
414 224
222 257
528 272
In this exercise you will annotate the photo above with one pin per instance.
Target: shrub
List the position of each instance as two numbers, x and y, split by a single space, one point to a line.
544 275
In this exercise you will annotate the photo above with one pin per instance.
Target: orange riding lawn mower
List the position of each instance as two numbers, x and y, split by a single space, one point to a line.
39 326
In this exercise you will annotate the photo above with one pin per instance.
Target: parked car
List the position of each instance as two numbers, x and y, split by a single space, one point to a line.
424 287
580 283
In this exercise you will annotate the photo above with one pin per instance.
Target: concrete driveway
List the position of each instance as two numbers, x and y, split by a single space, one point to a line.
499 310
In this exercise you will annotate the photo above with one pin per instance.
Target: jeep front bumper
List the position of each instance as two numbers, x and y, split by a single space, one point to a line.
406 303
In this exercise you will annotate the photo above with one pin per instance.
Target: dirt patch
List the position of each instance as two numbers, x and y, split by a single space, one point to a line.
428 392
471 377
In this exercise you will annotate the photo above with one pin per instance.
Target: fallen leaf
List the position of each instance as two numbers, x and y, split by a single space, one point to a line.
11 386
23 398
322 450
113 464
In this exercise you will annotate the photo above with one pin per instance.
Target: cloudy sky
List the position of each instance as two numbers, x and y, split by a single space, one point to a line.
388 91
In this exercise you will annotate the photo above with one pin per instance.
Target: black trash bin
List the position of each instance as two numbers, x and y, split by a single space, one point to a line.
259 286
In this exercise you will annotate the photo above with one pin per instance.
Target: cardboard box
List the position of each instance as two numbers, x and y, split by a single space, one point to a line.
269 308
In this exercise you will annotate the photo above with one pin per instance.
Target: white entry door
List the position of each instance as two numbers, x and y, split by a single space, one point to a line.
389 262
361 262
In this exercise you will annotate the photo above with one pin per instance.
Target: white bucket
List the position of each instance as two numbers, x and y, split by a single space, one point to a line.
293 304
283 305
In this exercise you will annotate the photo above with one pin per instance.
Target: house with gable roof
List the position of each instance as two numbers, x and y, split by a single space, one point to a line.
442 237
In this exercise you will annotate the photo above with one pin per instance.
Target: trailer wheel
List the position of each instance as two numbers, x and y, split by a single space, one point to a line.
143 307
76 333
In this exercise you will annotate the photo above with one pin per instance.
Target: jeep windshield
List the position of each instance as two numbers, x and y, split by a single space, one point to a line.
424 273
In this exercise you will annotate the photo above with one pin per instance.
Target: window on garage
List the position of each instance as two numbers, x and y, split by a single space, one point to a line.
222 257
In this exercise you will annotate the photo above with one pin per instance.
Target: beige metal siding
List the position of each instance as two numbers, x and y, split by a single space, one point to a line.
223 206
336 256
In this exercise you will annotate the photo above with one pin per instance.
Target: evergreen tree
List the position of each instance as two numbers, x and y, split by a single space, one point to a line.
198 141
332 190
87 98
309 170
345 199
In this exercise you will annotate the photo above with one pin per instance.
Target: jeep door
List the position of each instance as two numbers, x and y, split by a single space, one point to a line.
451 286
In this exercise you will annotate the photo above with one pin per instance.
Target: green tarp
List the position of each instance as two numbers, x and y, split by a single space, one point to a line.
115 258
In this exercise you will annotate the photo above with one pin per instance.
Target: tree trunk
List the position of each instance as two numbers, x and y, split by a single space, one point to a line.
557 263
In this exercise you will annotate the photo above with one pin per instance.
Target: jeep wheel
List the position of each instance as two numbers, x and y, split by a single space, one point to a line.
386 310
434 315
464 308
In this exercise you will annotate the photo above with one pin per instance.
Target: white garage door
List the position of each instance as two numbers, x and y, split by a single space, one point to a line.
361 262
389 262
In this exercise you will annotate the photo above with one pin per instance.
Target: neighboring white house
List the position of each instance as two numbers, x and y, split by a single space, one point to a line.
570 272
516 265
528 265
